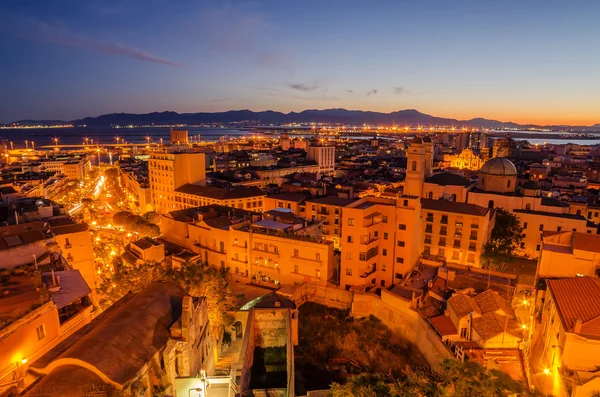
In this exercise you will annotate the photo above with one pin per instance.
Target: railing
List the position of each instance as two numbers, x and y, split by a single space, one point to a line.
427 241
213 249
473 237
369 240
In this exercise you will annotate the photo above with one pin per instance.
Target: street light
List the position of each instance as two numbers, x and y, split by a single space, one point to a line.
198 389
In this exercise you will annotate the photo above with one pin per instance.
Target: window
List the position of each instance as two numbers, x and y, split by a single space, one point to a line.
398 275
222 265
376 234
402 226
41 332
527 206
406 203
348 255
350 221
537 248
444 219
491 204
383 283
296 252
384 252
443 231
384 219
295 268
362 256
508 183
348 272
350 239
429 217
318 273
541 228
401 244
463 333
414 165
399 260
385 235
318 256
524 225
558 229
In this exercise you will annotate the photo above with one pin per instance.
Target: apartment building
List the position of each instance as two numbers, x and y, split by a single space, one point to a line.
536 222
281 249
250 198
569 336
170 170
569 254
75 169
32 324
378 241
455 232
324 156
134 176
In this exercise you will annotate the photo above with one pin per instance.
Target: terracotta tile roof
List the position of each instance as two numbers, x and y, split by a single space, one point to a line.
463 305
490 301
492 324
452 206
578 298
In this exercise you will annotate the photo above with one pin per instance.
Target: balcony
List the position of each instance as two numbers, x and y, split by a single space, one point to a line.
239 261
457 246
443 233
369 240
274 254
458 235
473 237
472 248
209 248
306 260
369 272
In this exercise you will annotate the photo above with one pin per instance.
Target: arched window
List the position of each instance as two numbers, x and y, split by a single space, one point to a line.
414 165
430 195
491 204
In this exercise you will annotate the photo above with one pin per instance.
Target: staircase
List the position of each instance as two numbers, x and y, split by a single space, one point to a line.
228 357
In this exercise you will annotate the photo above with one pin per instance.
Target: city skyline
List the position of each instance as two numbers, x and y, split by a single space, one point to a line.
524 63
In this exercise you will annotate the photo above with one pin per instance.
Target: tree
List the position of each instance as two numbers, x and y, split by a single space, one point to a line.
152 217
504 242
453 379
147 230
196 278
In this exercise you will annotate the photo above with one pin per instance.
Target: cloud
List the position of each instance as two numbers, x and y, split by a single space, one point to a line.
41 31
372 92
305 87
350 92
398 90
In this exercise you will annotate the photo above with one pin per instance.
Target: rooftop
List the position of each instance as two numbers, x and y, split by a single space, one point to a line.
455 207
448 179
578 298
237 192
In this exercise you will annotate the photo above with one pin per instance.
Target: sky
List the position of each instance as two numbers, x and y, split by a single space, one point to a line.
522 61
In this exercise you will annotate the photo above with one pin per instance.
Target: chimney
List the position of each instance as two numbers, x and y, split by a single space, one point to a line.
577 327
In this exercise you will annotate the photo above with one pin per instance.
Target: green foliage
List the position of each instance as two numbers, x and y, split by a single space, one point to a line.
454 379
197 279
504 242
152 217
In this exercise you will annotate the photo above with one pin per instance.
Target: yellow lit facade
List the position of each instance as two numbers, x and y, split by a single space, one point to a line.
169 171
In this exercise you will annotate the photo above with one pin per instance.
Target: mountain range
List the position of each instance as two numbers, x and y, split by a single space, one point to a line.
409 117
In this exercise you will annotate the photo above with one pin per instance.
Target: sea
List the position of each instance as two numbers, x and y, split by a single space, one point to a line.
107 135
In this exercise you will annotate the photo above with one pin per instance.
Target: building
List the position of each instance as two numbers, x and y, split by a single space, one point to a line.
569 332
455 232
467 160
329 210
146 250
447 186
143 343
419 165
485 318
282 249
75 169
378 244
324 156
169 171
32 323
135 180
569 254
250 198
178 137
75 243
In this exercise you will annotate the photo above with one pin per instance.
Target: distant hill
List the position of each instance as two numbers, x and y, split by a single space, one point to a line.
410 117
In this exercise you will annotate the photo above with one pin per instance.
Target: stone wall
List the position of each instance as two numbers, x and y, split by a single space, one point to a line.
327 295
392 310
270 328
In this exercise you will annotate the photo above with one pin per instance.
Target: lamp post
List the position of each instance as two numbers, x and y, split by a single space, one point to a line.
198 389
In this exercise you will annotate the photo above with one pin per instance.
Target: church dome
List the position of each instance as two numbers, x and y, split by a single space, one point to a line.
499 166
416 139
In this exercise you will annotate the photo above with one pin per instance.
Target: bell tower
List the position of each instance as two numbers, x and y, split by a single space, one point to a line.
415 168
